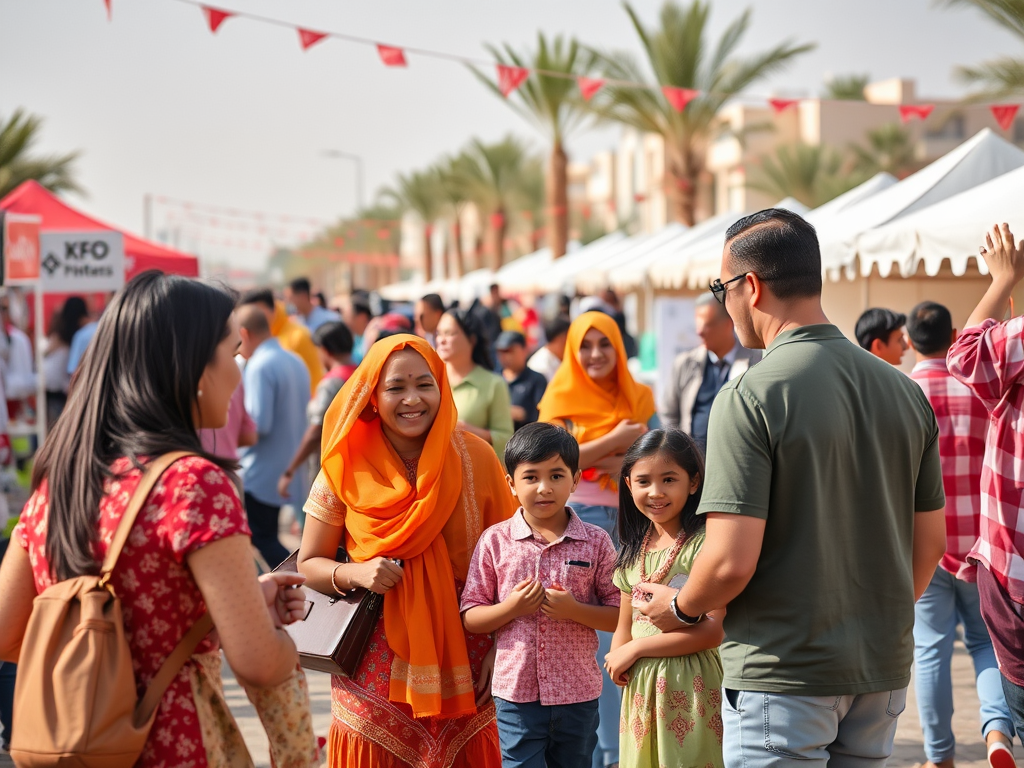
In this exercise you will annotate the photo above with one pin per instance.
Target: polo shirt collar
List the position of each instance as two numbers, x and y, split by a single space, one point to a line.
521 530
477 379
932 364
819 332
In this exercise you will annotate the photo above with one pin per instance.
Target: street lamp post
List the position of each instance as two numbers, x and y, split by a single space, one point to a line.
338 154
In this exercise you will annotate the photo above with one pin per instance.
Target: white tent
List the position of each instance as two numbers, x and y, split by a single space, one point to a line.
701 264
953 229
595 277
519 275
981 158
562 270
474 285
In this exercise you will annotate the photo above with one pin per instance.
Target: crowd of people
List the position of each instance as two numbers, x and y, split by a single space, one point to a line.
742 572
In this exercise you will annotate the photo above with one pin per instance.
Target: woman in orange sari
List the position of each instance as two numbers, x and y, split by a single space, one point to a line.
400 482
594 396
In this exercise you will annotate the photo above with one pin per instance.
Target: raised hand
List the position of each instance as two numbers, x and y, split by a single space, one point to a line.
1004 257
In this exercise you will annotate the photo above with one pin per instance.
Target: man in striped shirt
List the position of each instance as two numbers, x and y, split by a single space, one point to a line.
949 600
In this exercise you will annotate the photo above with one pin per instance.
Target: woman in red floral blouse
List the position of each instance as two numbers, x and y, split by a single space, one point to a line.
160 367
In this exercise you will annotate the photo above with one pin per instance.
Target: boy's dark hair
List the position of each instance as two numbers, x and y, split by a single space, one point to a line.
540 441
878 323
300 285
930 327
434 301
263 296
335 337
633 524
781 248
556 326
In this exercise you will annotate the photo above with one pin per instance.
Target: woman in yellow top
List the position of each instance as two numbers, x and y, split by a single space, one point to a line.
481 396
400 481
594 396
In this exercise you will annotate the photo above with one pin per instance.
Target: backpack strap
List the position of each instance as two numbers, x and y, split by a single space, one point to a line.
169 669
153 472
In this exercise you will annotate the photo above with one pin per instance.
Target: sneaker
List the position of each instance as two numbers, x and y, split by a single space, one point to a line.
1000 756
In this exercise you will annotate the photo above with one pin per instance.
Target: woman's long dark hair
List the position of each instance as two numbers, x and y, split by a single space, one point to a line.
477 335
70 318
133 396
633 524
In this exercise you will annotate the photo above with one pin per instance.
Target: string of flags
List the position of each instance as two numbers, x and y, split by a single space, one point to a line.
510 78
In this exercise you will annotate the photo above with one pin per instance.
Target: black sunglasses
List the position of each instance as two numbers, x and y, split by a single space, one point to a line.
718 287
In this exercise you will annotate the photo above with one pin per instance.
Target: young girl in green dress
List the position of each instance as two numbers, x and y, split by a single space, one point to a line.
671 703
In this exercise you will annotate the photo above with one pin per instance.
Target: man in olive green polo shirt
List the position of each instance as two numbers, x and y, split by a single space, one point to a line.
824 508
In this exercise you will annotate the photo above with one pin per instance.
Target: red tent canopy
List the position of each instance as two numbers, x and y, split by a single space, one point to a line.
140 255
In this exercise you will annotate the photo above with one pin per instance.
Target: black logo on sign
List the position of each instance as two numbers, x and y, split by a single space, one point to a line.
51 264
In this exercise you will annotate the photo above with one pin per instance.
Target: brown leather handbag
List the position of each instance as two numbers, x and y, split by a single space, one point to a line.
333 634
75 695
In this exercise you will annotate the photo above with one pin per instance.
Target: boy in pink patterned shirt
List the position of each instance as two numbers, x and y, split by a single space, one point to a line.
542 582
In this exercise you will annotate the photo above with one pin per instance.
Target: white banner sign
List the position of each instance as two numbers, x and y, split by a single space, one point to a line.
676 331
81 262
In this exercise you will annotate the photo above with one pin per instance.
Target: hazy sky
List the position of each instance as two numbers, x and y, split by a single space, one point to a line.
157 104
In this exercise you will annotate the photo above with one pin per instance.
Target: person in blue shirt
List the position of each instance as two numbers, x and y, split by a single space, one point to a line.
79 343
298 294
276 393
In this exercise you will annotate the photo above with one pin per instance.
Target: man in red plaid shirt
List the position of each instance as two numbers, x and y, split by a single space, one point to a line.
989 358
963 421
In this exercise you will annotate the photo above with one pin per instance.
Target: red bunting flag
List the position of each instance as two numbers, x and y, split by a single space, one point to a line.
781 105
589 86
109 9
392 57
215 17
1004 114
308 38
909 111
510 78
679 97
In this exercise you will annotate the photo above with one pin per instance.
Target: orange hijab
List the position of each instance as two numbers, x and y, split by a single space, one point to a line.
594 409
387 517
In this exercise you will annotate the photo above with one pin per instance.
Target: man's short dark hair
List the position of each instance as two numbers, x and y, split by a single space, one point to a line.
539 442
781 248
361 308
877 323
263 296
434 301
335 337
556 326
930 327
300 285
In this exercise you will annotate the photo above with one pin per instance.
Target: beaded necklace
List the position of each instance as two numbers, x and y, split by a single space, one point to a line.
659 575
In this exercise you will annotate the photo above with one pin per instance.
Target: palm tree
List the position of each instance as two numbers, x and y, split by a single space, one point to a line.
17 135
890 149
453 174
494 182
554 104
846 87
813 174
1004 76
680 54
421 192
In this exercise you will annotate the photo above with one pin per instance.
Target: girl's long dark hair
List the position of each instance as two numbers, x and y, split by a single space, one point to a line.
477 335
133 396
633 524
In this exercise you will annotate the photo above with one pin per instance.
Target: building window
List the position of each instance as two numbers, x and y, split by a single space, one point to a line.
953 127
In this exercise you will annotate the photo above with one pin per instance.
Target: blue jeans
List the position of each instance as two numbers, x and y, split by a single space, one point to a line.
607 752
533 735
1015 702
946 603
769 730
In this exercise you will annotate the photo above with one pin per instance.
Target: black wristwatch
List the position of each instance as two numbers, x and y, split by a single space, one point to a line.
687 621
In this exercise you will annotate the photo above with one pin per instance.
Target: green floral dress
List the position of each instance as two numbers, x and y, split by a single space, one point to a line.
672 707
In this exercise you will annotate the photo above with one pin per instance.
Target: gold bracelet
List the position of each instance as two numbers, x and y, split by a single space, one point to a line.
334 583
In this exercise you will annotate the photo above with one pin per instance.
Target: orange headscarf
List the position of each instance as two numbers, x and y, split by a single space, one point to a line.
593 409
387 517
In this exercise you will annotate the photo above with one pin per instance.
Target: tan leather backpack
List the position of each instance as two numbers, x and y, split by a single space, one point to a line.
75 695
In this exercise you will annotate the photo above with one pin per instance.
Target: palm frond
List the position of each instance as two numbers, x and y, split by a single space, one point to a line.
997 79
18 134
1006 13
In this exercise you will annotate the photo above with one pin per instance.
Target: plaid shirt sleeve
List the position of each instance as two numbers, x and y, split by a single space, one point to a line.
989 359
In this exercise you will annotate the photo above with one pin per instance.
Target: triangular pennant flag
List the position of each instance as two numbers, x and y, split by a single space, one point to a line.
110 9
215 17
679 97
1004 114
589 86
909 111
510 78
392 57
308 38
781 105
